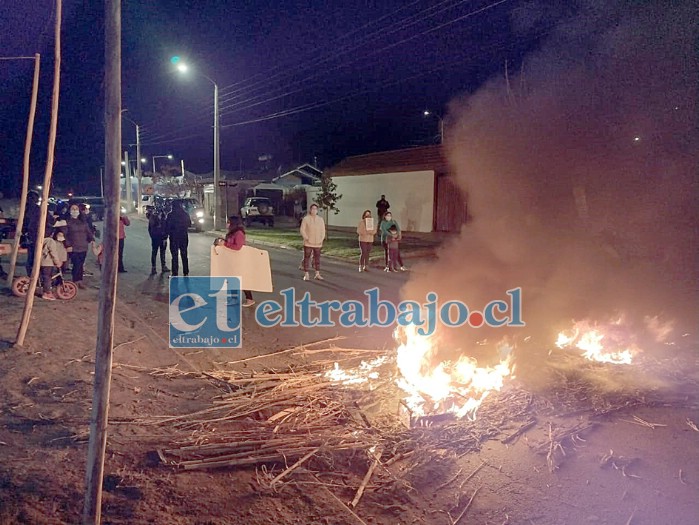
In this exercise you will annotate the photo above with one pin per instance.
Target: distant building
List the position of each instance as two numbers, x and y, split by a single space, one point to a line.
423 195
305 174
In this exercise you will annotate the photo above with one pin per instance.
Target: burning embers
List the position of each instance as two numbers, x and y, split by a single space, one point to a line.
613 342
437 387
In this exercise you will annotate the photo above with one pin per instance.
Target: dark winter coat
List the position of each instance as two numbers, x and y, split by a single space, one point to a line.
156 226
79 235
177 224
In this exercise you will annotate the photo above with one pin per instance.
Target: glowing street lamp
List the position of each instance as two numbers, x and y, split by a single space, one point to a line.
183 68
428 113
158 157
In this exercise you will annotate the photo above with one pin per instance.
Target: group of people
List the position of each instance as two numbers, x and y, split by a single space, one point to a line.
389 236
172 226
68 235
313 234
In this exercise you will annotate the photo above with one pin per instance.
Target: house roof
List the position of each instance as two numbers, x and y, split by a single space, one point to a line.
305 171
424 158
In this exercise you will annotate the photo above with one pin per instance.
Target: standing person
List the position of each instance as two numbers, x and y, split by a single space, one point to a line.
176 227
382 207
123 222
313 233
394 260
78 238
49 261
366 231
30 228
235 240
384 228
158 240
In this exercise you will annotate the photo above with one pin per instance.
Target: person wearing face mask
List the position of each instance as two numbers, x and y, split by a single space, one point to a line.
384 228
53 255
78 239
313 233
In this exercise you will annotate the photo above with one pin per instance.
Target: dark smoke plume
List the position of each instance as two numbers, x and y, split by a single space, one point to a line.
581 175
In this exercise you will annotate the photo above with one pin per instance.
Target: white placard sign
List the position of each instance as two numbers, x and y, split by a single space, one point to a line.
248 263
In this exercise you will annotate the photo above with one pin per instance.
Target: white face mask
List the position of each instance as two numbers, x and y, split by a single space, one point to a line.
388 217
60 237
75 213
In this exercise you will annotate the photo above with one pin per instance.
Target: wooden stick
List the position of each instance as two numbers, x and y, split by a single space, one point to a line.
294 466
129 342
48 174
463 512
450 480
365 481
294 349
25 172
360 520
521 430
472 474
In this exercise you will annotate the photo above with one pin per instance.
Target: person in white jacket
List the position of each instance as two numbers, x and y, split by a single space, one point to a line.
313 233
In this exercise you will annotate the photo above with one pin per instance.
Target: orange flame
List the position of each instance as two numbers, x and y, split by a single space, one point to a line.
457 388
604 344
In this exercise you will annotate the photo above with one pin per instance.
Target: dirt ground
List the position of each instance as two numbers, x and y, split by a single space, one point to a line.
589 444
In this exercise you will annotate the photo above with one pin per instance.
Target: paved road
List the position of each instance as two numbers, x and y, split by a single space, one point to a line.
147 295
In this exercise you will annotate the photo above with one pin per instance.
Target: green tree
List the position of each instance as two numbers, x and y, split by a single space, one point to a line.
327 198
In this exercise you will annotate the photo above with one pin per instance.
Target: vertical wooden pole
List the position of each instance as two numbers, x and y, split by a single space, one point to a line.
25 177
92 509
29 303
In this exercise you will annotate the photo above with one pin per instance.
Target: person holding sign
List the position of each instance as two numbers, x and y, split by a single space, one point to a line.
235 240
366 231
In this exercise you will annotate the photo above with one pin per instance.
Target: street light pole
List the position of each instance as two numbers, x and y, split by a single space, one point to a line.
129 194
159 157
139 174
183 68
429 113
217 158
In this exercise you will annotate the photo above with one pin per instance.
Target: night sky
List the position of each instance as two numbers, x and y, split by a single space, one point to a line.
298 80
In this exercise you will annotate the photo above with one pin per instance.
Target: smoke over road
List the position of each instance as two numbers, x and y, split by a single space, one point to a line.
581 175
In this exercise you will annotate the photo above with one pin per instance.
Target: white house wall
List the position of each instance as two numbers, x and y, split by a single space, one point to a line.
411 196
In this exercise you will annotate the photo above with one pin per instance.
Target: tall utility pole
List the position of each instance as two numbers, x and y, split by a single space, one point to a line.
129 192
25 178
217 159
92 509
139 175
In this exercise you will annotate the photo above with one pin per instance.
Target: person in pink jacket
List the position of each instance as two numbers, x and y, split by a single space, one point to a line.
313 233
235 240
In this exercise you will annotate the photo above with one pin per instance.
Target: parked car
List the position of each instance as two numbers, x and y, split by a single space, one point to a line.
257 209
